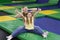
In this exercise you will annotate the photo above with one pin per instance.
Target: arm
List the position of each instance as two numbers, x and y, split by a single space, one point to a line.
32 9
19 14
35 11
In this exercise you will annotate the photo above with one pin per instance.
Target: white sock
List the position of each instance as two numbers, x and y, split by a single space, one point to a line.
9 37
45 34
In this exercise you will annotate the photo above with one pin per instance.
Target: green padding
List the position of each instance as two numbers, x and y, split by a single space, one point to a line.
41 5
10 26
16 1
1 5
5 1
53 1
56 15
32 36
10 11
25 0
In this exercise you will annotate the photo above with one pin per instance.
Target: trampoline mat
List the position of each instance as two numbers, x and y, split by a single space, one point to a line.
3 35
2 13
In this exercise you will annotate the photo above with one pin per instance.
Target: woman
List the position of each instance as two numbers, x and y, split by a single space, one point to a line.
28 17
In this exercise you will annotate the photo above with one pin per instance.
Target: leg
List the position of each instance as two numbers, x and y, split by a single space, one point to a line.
18 31
39 31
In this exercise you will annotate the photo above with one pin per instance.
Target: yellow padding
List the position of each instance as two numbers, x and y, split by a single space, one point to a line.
6 7
48 12
6 18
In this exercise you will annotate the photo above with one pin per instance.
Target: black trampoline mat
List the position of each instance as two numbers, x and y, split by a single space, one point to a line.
3 35
2 13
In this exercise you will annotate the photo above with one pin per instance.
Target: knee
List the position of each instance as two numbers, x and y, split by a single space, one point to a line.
36 27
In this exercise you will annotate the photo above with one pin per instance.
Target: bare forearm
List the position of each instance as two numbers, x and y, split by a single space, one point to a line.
18 13
36 12
17 16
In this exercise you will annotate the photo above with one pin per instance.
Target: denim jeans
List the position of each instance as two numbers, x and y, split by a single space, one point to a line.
20 30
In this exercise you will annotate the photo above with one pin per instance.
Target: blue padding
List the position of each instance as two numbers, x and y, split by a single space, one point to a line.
42 1
59 4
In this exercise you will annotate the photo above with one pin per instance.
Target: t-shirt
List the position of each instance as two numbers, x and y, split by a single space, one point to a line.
30 24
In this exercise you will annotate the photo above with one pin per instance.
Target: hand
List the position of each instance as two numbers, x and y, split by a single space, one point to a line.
17 12
39 9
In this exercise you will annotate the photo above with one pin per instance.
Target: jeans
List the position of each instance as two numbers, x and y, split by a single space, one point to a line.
19 30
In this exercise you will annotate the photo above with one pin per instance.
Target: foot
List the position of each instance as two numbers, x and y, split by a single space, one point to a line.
9 37
45 34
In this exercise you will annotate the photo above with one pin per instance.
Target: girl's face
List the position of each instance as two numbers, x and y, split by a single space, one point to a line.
25 9
29 15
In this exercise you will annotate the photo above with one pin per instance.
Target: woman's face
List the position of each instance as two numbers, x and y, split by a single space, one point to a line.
25 9
29 15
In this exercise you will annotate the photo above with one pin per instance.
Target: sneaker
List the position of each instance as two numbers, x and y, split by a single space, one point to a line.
9 37
45 34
